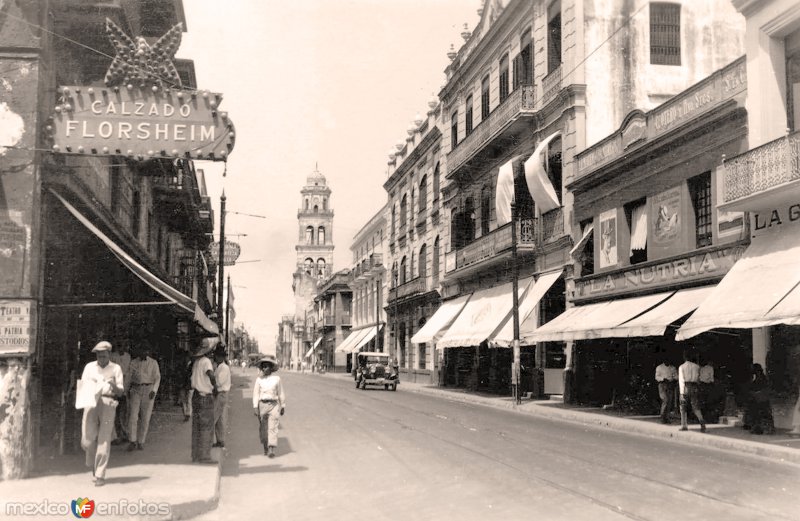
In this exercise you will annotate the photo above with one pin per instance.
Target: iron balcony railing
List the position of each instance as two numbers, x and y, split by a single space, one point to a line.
551 85
491 244
762 168
414 286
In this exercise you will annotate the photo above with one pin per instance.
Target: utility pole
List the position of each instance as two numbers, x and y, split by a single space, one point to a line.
221 280
515 368
228 314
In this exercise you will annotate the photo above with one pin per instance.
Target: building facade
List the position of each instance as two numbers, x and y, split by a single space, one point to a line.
333 320
100 246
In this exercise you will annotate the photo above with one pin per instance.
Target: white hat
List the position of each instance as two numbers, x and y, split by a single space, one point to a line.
103 345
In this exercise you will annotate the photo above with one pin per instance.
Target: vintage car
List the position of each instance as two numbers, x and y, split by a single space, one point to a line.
375 369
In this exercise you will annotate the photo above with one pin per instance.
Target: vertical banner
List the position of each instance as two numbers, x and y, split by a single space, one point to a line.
608 238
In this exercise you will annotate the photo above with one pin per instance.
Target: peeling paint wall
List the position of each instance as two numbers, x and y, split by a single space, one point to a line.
15 430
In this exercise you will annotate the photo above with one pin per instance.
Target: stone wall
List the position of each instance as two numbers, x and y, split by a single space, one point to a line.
15 425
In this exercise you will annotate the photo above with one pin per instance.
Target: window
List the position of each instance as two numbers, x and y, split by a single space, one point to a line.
394 220
307 265
700 192
306 203
454 130
636 214
554 170
324 203
503 78
523 63
402 343
321 267
423 261
485 98
436 181
463 225
665 34
793 90
423 193
316 208
403 266
136 212
435 265
486 209
309 235
468 116
587 253
553 36
403 209
522 195
421 355
321 235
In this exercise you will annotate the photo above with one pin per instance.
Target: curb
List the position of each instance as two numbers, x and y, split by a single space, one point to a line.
199 507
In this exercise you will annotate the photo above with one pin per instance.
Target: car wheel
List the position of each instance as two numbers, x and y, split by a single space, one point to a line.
394 387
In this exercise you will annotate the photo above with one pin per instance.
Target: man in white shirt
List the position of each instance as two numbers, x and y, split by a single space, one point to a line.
144 383
221 405
122 358
268 403
106 380
688 378
666 376
204 387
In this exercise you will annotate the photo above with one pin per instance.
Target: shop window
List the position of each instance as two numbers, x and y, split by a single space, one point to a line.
468 116
700 192
636 213
553 36
435 265
485 98
665 33
454 130
503 78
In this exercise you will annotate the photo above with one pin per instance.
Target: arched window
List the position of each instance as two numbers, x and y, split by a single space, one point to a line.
403 272
403 209
436 182
435 261
320 267
316 208
321 235
423 261
307 203
395 275
308 265
324 203
394 220
423 193
309 235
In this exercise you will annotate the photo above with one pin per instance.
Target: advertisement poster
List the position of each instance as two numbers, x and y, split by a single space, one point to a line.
13 240
665 216
608 238
15 326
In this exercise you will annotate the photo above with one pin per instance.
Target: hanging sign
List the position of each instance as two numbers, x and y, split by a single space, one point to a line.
232 252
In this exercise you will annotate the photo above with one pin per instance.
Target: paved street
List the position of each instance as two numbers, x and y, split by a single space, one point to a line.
345 452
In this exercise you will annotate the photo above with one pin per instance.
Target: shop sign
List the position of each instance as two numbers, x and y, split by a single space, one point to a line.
702 266
232 252
775 219
15 326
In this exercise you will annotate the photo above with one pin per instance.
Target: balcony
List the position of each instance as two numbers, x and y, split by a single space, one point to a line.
413 287
551 85
492 245
552 225
329 320
506 124
764 177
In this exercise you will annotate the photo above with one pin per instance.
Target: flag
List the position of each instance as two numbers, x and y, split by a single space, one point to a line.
540 186
504 194
231 310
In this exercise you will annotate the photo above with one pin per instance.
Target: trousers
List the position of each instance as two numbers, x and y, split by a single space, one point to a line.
96 429
202 426
666 391
139 406
221 407
691 396
268 417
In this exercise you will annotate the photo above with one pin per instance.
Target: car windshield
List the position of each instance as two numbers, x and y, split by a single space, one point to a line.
374 360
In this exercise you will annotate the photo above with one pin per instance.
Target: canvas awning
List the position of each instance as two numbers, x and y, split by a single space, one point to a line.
364 340
587 232
761 289
656 321
598 320
170 294
441 320
482 316
527 309
352 339
311 349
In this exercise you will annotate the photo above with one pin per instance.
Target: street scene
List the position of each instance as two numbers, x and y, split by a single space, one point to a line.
478 259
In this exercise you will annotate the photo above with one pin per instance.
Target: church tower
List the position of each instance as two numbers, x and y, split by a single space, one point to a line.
314 254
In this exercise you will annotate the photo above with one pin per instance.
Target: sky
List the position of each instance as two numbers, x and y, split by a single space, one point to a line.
333 83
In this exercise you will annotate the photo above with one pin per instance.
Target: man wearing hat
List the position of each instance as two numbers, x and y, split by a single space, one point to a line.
223 376
204 386
268 403
105 379
144 384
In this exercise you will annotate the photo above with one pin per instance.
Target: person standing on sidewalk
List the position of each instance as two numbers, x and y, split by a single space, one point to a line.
268 403
122 358
688 378
145 381
666 376
106 382
204 386
221 405
185 392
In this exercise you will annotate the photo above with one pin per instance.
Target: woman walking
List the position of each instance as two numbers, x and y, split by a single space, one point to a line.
268 403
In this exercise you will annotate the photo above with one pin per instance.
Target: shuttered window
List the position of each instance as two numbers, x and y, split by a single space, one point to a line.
665 34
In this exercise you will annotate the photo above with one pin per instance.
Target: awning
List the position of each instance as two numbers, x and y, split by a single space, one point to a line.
527 309
593 320
311 349
352 339
171 294
587 232
365 339
656 321
761 289
441 320
482 316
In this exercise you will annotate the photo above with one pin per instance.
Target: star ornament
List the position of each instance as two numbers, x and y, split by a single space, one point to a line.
139 63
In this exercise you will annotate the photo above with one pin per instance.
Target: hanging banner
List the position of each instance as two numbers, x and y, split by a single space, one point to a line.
232 252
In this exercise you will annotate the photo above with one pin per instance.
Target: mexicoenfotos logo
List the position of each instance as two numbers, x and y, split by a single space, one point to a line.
83 507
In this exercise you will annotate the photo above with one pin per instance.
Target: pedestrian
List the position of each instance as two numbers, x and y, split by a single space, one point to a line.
105 380
708 395
122 358
221 403
204 386
666 376
758 410
688 378
269 402
145 381
185 392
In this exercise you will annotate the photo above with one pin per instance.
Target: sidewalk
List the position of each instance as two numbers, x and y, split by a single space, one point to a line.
780 446
160 474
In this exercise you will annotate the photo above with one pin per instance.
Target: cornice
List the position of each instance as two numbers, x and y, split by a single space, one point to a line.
424 146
